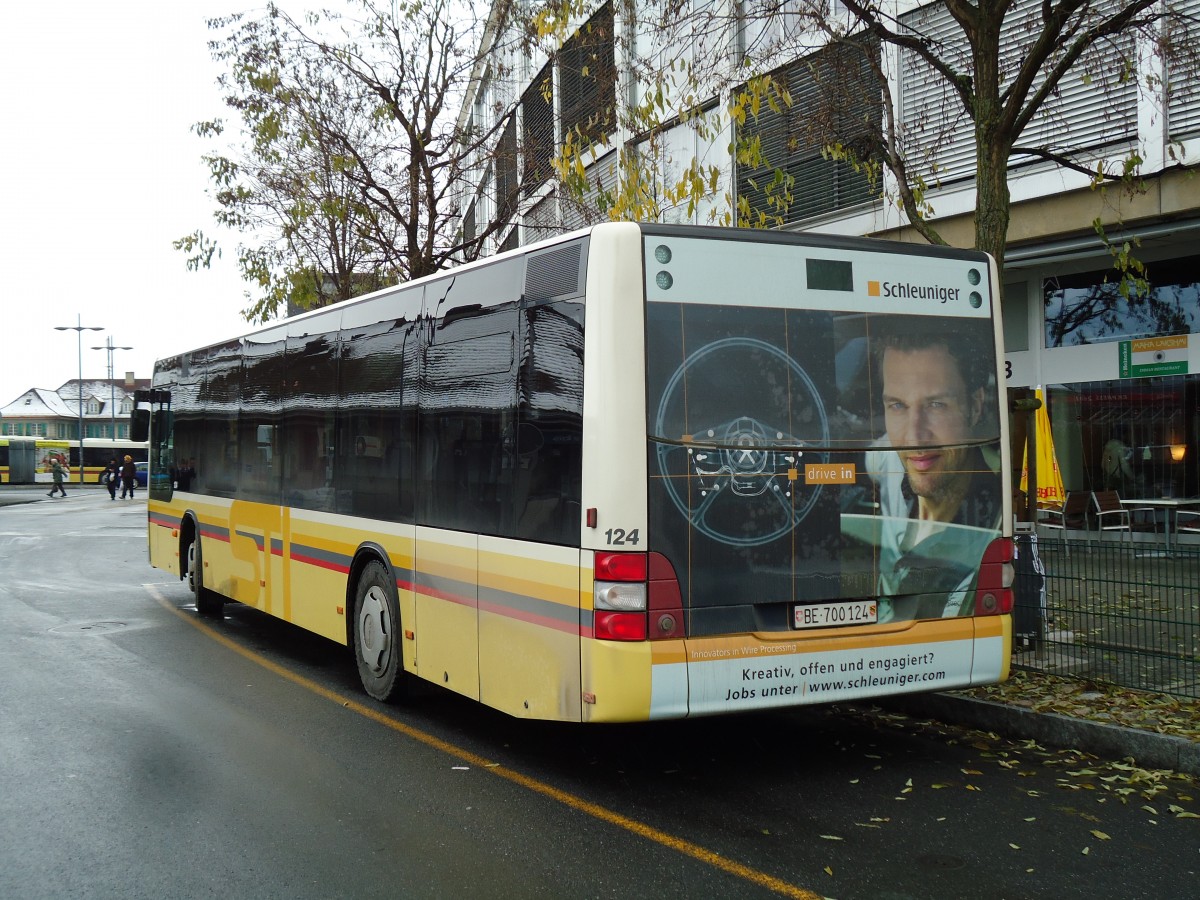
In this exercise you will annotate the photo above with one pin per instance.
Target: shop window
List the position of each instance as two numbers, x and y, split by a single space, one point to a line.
1134 436
1093 308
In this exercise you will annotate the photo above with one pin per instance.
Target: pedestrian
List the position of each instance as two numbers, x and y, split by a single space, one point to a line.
184 476
112 477
58 471
128 477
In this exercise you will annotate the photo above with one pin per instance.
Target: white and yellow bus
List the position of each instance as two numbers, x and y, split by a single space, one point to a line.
26 460
636 472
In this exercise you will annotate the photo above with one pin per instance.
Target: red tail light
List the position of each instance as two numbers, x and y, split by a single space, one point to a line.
636 597
994 594
620 567
619 626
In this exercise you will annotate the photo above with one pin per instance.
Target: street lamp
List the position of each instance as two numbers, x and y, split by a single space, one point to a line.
112 404
79 330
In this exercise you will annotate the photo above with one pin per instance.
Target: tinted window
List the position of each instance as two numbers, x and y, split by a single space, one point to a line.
376 443
189 418
468 428
788 448
468 419
309 412
167 374
216 460
546 482
260 469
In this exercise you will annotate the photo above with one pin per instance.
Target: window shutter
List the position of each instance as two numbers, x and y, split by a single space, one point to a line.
601 176
1089 110
835 96
537 130
1183 97
469 223
587 74
506 172
541 221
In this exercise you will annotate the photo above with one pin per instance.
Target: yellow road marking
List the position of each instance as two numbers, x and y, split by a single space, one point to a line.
641 829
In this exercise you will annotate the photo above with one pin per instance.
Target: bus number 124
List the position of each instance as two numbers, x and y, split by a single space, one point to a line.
619 537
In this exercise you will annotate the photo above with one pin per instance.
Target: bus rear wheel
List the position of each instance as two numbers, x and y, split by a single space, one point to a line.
377 634
208 603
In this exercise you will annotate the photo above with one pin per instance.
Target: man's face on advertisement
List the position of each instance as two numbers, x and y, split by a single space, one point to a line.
926 406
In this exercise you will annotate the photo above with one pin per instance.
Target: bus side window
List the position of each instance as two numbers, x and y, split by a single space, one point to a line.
547 481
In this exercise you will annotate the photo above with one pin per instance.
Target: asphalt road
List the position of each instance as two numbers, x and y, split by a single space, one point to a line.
147 753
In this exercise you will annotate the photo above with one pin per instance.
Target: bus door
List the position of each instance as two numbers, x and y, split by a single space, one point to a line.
255 521
466 447
22 462
447 609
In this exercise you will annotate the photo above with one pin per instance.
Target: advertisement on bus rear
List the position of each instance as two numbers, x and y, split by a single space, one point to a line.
825 427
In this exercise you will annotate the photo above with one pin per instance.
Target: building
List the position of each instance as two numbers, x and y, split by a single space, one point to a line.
1120 373
107 405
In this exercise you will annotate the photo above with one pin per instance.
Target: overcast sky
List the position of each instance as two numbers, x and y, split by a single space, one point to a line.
100 174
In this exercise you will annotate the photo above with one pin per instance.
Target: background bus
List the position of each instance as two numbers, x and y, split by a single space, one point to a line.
26 460
636 472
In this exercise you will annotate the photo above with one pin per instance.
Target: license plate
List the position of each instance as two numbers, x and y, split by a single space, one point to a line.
831 615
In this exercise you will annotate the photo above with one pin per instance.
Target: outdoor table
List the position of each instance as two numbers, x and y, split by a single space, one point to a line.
1171 506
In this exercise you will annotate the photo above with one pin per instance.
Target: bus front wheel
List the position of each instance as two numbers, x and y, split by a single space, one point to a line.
377 634
208 603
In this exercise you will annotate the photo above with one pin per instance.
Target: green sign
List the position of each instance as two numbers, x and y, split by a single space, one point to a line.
1148 357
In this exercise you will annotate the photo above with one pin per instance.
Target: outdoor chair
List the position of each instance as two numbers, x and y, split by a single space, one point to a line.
1112 516
1071 514
1187 521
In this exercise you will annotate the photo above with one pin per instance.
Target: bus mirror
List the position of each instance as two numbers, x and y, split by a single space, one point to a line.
139 425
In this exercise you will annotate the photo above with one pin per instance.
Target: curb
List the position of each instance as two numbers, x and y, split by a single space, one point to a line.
20 495
1148 749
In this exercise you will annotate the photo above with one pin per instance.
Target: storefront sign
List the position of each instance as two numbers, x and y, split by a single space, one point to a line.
1154 356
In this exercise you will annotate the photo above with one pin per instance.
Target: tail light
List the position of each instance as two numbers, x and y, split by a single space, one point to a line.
635 597
994 594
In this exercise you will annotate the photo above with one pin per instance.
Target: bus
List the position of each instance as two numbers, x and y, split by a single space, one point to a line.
635 472
26 460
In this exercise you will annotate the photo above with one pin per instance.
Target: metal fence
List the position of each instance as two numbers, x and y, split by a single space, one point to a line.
1118 612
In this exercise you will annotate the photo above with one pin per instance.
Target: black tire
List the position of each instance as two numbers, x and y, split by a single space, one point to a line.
377 646
208 603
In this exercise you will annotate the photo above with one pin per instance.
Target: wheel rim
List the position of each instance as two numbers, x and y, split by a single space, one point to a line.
374 630
191 561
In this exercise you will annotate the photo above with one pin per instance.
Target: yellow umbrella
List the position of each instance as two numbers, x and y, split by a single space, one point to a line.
1050 490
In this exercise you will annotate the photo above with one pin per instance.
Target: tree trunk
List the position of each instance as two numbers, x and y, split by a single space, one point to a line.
993 140
991 195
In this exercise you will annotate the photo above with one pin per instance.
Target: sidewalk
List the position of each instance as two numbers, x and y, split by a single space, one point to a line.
1149 749
13 494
